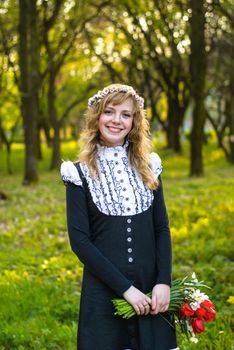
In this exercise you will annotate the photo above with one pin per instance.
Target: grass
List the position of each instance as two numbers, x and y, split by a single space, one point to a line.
40 277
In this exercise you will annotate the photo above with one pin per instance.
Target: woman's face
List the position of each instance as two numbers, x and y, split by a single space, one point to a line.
115 122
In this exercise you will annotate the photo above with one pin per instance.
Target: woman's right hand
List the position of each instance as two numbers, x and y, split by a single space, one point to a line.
139 301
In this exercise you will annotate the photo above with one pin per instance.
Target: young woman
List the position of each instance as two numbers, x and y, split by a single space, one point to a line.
118 227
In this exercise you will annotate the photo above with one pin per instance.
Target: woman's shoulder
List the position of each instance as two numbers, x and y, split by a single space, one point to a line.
156 163
69 173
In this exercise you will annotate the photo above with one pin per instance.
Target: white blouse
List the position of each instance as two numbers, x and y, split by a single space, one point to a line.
121 191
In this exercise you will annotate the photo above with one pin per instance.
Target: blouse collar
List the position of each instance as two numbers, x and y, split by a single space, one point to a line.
111 153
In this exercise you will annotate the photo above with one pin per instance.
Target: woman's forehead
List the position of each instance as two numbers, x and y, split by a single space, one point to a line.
126 105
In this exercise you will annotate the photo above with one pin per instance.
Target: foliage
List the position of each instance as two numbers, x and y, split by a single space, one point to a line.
40 277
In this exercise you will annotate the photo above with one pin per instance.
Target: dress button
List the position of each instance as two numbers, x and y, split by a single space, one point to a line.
119 171
116 154
122 180
128 209
129 221
129 239
124 189
130 259
129 229
127 199
129 250
116 163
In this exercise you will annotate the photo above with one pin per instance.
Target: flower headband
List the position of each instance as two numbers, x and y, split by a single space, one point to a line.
115 88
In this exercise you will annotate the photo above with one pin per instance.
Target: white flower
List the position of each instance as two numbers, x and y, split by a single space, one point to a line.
189 327
194 305
194 277
194 340
198 297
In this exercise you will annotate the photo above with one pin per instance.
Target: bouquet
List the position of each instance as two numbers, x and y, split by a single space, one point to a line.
189 307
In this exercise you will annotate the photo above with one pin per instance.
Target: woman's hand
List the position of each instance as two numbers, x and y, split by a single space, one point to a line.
160 299
139 301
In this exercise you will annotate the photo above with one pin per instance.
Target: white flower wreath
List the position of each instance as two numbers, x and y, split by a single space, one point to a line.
115 88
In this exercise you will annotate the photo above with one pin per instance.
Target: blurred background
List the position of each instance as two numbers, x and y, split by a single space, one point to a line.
54 55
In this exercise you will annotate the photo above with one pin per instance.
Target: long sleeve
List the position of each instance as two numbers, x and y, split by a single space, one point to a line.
88 254
163 238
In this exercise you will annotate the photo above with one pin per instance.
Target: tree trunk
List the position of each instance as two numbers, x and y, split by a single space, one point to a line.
29 75
7 143
39 149
219 132
198 72
9 168
173 138
64 131
46 127
174 124
56 153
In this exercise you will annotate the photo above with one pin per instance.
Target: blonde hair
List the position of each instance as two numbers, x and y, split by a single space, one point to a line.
138 138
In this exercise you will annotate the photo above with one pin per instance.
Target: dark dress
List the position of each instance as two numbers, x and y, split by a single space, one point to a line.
117 252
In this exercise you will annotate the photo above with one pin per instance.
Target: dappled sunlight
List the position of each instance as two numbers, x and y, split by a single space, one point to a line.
215 155
54 268
10 277
179 233
18 147
69 146
201 224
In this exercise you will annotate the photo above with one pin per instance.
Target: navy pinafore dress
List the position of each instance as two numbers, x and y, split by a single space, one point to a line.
136 245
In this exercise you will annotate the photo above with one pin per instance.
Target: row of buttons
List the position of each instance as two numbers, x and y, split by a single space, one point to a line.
129 240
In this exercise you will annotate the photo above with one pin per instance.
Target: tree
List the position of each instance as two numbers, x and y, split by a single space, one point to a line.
29 83
220 76
198 76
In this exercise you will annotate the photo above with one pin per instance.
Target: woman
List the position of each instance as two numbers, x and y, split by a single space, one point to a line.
118 227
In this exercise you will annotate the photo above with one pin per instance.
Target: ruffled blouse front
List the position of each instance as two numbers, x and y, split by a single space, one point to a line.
120 190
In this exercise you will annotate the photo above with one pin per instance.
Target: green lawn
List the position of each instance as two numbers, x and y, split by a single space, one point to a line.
40 277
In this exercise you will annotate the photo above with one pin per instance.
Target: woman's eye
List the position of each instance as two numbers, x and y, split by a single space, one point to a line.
107 112
126 115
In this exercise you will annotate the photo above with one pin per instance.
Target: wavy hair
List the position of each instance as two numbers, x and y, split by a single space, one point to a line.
138 138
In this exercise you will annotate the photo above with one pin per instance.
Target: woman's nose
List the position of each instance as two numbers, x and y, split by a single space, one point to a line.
116 118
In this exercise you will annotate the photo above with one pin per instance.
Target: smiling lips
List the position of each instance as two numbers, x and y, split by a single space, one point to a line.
114 129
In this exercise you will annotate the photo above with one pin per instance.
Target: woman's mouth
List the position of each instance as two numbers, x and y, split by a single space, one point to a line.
114 130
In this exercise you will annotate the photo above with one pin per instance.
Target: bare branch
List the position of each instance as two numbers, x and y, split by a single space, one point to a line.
50 22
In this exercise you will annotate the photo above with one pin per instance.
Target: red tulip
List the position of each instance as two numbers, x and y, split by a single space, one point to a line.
198 325
186 310
200 313
208 306
209 315
208 303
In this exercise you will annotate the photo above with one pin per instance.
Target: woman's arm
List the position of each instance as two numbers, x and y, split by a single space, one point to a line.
89 255
163 238
161 291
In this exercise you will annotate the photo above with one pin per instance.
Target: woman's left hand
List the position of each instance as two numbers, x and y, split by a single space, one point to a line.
160 299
